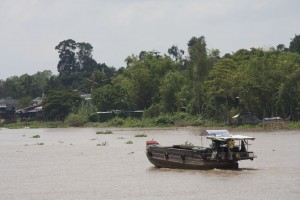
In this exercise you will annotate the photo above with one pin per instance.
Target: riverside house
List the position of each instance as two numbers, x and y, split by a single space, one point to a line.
7 110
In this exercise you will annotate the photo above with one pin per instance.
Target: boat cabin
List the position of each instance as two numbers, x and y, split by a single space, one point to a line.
229 146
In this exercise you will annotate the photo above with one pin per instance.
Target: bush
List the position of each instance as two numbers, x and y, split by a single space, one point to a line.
117 122
101 117
183 119
164 120
152 111
199 121
76 120
181 116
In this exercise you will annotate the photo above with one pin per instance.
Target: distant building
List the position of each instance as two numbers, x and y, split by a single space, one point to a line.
86 96
32 112
7 110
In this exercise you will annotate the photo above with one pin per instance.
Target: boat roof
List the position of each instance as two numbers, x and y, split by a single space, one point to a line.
215 133
223 135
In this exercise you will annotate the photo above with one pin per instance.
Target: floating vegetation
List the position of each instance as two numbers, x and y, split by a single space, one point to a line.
61 142
103 144
104 132
94 139
131 152
141 135
129 142
40 143
121 138
36 136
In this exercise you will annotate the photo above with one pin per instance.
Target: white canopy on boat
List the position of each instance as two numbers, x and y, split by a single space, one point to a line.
224 133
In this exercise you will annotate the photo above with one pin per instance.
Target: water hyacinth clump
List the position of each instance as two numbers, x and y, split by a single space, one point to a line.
103 144
141 135
104 132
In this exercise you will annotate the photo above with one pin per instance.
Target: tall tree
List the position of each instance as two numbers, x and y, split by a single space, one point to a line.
87 64
176 53
67 63
220 88
295 44
198 68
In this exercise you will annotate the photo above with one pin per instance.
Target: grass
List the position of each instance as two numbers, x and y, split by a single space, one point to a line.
293 125
36 136
36 124
129 142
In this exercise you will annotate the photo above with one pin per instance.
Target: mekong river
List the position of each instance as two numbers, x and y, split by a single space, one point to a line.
77 163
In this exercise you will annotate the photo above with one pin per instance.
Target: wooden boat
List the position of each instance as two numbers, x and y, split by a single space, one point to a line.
225 151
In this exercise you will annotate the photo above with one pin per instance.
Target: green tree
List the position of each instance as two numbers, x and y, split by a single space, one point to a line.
39 82
76 66
109 97
176 53
10 88
87 65
295 44
144 87
288 80
127 86
58 104
170 91
198 68
145 72
220 89
256 81
67 63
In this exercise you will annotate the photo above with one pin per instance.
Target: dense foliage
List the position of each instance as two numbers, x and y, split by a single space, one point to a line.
59 104
265 82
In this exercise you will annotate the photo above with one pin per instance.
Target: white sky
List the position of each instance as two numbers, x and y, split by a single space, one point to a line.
30 29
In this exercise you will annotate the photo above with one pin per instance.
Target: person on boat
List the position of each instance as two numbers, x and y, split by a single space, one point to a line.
230 144
243 147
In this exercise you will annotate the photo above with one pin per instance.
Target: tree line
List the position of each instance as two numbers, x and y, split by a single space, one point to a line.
263 81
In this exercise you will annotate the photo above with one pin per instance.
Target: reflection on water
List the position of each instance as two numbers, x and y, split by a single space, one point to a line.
70 165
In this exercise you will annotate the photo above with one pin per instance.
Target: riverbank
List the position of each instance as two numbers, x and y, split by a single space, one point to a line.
159 123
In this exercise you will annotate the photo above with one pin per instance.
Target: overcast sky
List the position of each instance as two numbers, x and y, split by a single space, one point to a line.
30 29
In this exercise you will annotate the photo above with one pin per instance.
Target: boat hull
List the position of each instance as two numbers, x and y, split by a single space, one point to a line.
204 165
187 159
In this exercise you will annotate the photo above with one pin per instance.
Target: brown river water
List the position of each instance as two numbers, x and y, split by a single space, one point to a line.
70 165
